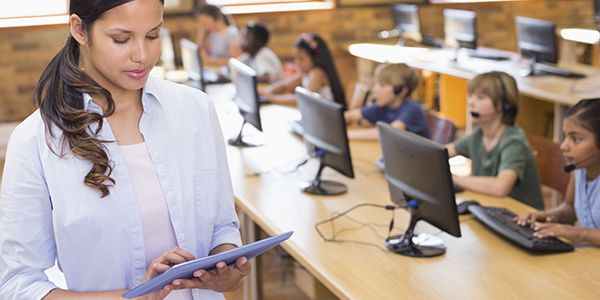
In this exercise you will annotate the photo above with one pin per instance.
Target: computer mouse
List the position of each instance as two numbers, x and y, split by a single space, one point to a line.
463 207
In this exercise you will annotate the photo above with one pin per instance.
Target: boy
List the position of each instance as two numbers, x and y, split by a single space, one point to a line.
394 85
260 58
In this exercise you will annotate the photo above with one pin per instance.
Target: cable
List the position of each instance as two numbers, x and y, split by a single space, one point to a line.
318 153
335 233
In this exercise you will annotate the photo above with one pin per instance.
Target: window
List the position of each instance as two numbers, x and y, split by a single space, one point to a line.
33 12
258 6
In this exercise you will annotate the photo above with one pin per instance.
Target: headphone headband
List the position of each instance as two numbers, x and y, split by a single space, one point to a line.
506 106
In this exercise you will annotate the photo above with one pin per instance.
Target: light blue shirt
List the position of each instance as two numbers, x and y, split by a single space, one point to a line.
587 200
47 213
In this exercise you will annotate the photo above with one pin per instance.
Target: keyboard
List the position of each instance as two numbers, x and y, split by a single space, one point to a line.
501 221
554 70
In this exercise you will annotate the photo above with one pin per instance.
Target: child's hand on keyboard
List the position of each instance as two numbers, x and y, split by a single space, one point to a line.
532 217
570 232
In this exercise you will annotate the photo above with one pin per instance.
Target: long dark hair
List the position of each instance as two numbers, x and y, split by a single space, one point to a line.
59 96
316 47
587 112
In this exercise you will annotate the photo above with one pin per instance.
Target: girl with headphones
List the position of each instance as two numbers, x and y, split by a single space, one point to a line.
502 162
317 73
394 84
581 149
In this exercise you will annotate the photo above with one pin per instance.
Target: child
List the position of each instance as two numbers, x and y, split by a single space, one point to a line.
394 84
216 37
256 55
502 161
117 175
580 148
317 73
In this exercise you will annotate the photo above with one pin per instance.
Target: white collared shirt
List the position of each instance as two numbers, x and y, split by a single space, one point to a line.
47 213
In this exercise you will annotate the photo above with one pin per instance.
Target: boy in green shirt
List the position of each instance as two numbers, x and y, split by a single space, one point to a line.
502 161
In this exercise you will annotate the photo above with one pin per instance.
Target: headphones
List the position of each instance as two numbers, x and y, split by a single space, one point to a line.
506 106
398 89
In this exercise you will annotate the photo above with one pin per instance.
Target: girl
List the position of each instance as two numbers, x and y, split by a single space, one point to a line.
217 38
117 175
580 148
392 104
317 73
502 161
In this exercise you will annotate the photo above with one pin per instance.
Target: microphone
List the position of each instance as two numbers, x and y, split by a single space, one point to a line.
571 167
478 115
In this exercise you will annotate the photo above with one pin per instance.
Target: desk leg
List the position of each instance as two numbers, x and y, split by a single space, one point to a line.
453 99
251 287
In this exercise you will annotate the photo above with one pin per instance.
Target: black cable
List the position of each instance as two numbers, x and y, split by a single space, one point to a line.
295 169
335 233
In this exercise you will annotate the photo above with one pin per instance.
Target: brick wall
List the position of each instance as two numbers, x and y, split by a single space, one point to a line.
25 51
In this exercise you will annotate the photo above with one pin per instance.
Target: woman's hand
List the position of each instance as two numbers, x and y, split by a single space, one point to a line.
221 279
161 264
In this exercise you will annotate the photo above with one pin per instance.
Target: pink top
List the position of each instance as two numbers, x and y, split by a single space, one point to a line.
159 235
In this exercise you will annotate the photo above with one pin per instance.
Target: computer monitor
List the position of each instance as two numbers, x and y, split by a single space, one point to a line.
324 132
246 98
536 40
167 50
192 64
460 28
597 10
406 22
418 176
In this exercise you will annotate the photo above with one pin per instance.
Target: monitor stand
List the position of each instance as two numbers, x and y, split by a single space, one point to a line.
409 244
238 142
530 71
322 187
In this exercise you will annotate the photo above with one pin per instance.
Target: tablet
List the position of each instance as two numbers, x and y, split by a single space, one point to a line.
186 270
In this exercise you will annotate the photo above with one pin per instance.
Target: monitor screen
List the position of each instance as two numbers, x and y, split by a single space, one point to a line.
324 132
246 97
192 64
167 50
406 21
418 176
460 28
536 39
597 10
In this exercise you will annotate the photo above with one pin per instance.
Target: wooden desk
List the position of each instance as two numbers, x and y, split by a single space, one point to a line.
558 92
479 265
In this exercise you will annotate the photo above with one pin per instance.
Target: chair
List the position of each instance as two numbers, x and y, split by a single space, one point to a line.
550 163
441 130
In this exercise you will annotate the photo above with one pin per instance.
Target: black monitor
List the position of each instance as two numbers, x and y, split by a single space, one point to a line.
418 176
460 28
192 64
167 50
536 40
406 22
597 10
324 132
246 98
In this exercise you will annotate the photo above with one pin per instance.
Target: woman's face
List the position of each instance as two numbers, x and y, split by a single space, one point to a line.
579 144
123 45
303 59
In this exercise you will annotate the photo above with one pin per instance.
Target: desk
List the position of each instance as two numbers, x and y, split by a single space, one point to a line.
454 75
479 265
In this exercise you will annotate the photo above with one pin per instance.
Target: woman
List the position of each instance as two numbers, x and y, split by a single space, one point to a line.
118 176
